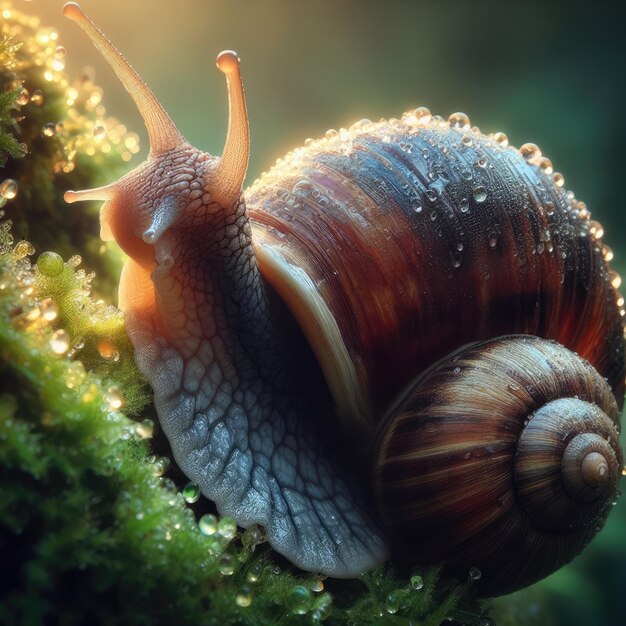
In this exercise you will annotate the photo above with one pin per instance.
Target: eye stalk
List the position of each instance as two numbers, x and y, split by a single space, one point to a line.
227 180
162 132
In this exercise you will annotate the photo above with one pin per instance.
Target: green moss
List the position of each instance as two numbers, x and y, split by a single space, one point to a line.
52 119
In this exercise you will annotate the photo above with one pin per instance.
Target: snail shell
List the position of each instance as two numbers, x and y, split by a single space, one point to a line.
394 243
507 453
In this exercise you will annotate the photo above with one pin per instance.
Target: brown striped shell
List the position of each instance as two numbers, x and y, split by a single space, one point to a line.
396 243
507 453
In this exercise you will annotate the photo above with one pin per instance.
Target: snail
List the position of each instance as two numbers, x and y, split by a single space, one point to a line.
456 298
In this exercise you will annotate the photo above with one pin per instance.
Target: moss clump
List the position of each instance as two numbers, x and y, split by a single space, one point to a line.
70 143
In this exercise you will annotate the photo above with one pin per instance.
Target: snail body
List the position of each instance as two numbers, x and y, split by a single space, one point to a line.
443 280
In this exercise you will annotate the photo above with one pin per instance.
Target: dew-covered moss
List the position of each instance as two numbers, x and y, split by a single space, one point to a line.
61 125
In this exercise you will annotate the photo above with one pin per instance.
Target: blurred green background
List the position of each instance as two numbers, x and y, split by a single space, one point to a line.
551 73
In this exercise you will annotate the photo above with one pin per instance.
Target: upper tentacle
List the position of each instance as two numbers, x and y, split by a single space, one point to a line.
162 132
227 180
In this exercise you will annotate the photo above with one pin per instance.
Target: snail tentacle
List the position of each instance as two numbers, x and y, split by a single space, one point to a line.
162 132
227 180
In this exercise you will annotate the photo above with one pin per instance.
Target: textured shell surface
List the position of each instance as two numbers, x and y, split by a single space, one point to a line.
396 242
484 456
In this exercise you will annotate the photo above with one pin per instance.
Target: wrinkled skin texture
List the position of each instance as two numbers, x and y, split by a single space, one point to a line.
204 337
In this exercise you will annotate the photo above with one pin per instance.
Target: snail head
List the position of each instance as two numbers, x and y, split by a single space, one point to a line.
177 186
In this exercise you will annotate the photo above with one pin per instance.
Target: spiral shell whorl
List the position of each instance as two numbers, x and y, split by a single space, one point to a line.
566 466
489 456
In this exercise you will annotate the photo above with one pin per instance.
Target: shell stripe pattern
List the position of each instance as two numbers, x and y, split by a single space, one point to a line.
420 238
475 457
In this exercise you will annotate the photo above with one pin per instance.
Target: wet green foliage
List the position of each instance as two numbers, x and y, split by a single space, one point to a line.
9 146
52 121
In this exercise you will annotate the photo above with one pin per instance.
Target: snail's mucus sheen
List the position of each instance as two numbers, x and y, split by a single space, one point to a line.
459 305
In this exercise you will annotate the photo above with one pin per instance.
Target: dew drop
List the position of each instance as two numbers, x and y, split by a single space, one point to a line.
559 179
107 350
49 310
460 121
114 398
321 607
474 573
464 205
480 193
253 536
545 165
226 565
8 188
60 341
99 132
22 249
227 527
417 206
145 429
37 98
161 465
191 492
493 241
596 230
616 279
501 139
423 116
298 600
49 129
216 545
208 524
530 151
244 596
23 97
467 140
417 582
392 603
254 573
59 52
